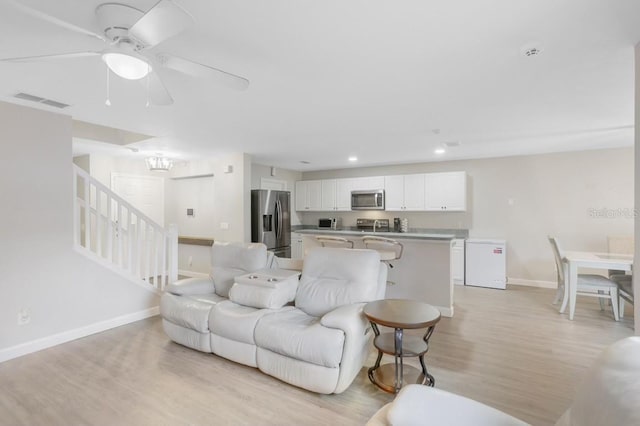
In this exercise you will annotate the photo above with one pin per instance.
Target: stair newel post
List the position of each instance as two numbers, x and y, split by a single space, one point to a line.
98 222
173 252
129 242
76 209
109 228
157 234
119 234
87 214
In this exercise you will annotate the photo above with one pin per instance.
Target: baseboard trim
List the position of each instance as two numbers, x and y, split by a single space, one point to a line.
532 283
67 336
445 312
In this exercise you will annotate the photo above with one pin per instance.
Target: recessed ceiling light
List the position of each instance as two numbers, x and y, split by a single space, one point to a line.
353 158
305 162
439 151
452 144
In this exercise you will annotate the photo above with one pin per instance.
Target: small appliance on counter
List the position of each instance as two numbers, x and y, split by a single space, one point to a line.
374 225
396 224
329 223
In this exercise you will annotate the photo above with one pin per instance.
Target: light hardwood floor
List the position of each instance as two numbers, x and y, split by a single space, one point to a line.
509 349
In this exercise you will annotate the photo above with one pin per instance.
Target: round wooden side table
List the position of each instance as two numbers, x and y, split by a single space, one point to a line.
400 314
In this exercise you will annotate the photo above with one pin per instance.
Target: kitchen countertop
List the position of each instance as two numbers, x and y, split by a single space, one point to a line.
413 233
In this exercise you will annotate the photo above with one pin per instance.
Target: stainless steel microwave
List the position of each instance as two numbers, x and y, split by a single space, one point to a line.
367 200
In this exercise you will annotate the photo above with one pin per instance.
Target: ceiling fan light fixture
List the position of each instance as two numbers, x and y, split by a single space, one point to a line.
159 164
126 65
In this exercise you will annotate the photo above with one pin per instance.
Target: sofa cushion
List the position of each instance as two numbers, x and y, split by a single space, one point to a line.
189 311
192 286
223 278
297 335
236 322
333 277
228 260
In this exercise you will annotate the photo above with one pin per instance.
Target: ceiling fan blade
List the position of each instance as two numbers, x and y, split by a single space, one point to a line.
71 55
198 70
158 94
165 20
53 20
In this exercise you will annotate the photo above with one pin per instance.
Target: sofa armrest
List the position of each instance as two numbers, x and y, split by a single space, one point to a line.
191 286
348 318
357 334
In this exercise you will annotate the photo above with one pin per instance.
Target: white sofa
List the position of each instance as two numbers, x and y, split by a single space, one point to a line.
318 343
609 395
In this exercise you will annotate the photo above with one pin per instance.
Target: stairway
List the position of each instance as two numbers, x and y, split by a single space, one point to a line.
114 233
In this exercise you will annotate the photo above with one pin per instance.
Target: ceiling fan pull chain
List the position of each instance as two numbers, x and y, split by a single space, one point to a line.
148 78
107 102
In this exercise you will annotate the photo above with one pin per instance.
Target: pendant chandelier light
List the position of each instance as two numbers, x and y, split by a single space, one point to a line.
159 163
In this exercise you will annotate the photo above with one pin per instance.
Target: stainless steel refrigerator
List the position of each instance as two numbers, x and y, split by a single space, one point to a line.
271 220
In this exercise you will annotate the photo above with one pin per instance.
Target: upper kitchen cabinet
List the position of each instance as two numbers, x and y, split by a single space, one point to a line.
309 195
404 192
366 183
336 194
446 191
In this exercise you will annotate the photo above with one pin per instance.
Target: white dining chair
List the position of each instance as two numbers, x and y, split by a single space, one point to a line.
622 245
588 284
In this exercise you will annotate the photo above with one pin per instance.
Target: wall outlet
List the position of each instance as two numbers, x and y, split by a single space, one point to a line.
224 225
24 316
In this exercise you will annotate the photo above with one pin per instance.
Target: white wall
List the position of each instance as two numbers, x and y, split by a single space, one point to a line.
39 268
636 285
551 193
260 171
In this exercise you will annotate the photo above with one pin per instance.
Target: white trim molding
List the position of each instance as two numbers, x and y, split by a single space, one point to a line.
67 336
532 283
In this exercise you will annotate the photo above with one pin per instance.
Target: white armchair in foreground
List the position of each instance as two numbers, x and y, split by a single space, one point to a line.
609 395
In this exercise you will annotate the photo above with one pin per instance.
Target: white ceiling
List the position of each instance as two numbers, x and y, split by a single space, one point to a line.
387 81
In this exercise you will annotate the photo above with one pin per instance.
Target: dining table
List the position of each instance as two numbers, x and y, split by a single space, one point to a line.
586 259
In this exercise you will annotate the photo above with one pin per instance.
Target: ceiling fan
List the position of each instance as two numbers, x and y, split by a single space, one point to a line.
130 34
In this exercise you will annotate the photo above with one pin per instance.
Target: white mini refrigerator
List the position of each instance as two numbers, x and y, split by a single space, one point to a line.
486 263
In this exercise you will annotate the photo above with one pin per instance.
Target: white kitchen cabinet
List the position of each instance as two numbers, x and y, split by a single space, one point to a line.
297 246
457 261
343 193
336 194
445 191
367 183
404 192
309 195
328 197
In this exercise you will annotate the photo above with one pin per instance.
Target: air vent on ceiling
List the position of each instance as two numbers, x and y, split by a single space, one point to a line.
452 144
38 99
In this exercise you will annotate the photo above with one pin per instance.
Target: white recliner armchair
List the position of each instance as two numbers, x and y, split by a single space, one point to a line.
609 395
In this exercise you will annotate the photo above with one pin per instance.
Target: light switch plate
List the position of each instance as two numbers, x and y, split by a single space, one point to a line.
224 225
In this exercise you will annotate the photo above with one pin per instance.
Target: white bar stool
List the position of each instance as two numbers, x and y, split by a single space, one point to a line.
388 248
329 241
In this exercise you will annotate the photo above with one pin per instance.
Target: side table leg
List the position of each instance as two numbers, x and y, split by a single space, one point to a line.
429 380
374 368
398 359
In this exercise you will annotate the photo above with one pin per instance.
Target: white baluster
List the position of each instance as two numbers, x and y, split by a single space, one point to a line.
129 241
173 252
87 216
109 228
98 222
76 210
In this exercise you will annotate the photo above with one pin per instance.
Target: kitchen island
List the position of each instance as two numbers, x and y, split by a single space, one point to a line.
424 272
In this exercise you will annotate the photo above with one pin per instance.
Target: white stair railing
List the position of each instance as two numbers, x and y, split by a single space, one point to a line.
121 235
